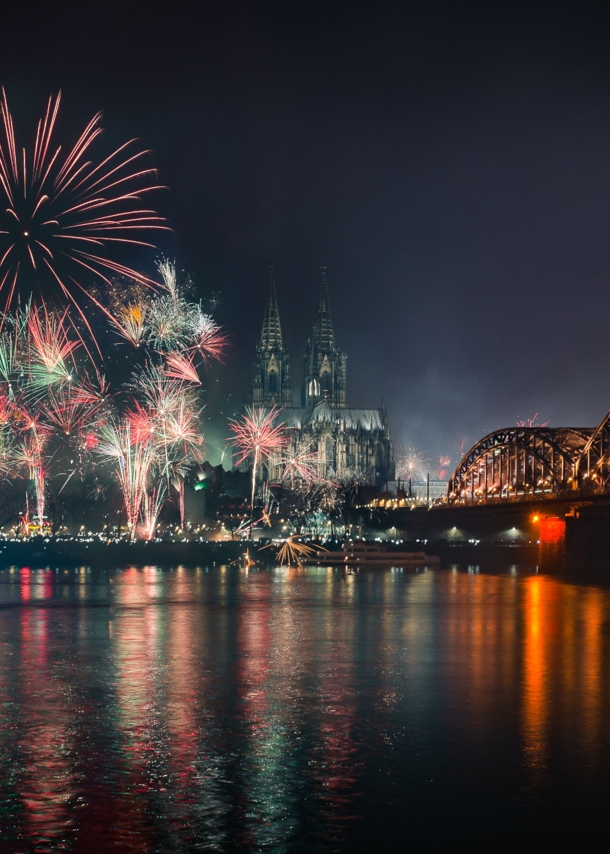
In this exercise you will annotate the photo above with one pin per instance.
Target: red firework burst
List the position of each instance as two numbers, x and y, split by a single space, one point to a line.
443 462
141 424
180 367
210 341
301 465
63 213
256 435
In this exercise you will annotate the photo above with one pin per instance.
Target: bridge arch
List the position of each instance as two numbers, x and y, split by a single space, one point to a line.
594 461
522 462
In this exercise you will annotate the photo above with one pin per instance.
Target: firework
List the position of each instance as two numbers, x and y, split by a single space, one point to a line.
169 406
443 462
292 552
214 300
133 460
75 411
64 213
151 447
412 463
181 367
256 437
130 321
54 418
531 422
167 415
460 443
169 316
167 269
207 336
152 502
158 392
30 454
46 403
300 465
141 422
7 449
331 499
182 431
50 348
167 322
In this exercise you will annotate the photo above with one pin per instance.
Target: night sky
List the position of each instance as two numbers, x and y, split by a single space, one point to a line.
450 163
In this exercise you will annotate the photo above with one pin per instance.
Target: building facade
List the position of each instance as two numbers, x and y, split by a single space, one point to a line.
348 444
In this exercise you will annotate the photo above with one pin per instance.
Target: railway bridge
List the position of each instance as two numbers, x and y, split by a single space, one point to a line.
520 464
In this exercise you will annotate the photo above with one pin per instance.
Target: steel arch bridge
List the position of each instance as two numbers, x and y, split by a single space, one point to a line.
521 463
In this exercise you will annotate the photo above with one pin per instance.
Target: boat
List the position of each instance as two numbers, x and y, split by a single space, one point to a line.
360 553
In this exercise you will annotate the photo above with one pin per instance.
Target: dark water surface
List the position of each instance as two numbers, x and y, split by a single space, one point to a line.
150 709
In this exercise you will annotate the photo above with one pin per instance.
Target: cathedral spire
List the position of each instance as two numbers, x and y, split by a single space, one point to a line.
324 374
323 332
271 383
271 333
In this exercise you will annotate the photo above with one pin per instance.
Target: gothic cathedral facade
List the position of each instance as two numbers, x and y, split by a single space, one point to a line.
350 444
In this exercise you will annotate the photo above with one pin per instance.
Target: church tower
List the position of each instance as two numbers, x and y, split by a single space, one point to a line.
325 364
271 383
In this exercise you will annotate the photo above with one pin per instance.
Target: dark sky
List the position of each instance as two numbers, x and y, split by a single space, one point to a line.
450 163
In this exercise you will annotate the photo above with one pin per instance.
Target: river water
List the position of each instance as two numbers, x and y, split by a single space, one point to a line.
194 709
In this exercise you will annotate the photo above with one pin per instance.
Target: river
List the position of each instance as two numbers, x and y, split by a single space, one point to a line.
214 709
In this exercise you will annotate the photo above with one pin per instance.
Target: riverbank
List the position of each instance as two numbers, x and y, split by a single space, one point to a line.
38 552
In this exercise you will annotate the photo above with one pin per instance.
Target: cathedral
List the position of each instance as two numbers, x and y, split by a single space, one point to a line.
350 444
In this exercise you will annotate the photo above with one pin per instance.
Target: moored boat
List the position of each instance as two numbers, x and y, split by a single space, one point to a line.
359 553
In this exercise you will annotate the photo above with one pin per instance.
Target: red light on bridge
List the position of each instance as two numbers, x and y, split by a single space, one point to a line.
552 529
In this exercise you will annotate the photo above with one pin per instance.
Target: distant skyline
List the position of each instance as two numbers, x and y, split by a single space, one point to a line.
450 164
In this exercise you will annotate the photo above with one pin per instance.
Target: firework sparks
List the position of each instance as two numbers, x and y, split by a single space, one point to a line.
30 454
460 444
331 499
50 347
168 323
43 399
531 422
176 328
168 415
63 213
167 269
152 503
302 465
209 339
75 411
53 418
256 437
412 463
181 367
292 552
130 322
161 394
443 462
133 460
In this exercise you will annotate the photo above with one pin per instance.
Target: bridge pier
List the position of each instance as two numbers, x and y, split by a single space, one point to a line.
581 526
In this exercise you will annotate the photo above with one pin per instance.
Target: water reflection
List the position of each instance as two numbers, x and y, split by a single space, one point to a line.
150 709
42 751
564 679
539 630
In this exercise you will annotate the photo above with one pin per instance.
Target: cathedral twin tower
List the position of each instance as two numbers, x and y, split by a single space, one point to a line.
351 443
324 369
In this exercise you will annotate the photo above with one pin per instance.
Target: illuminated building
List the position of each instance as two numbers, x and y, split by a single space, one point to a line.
350 443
